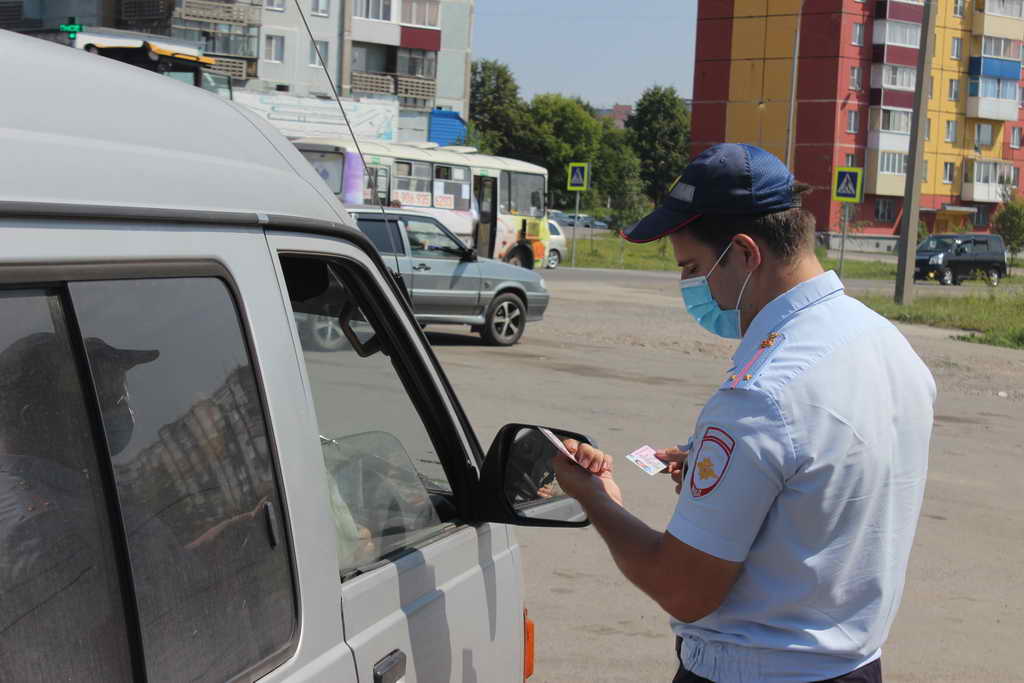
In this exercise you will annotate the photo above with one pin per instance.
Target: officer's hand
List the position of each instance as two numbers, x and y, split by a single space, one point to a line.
676 460
593 478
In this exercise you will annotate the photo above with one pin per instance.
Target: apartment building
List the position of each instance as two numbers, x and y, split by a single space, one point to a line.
852 99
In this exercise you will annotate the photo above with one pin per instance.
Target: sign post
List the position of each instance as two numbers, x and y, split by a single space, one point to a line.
847 187
578 182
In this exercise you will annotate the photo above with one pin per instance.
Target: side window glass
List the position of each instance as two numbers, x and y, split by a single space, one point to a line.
382 233
387 486
61 613
427 240
194 474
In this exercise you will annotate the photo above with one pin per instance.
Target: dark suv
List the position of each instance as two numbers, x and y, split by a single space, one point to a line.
953 257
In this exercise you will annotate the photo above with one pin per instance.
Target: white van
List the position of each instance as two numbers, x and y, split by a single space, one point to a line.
186 493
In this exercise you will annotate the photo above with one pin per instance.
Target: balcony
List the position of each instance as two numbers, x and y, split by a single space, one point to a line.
884 184
415 86
982 192
383 84
219 12
992 108
989 24
985 180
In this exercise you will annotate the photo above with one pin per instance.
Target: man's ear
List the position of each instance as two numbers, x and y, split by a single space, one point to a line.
750 250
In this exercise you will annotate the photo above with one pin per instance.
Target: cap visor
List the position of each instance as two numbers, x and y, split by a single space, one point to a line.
657 224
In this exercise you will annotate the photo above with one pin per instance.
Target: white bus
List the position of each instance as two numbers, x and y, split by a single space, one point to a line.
493 204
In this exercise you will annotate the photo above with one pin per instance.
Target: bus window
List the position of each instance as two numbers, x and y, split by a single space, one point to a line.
412 183
381 175
451 187
526 194
330 167
503 191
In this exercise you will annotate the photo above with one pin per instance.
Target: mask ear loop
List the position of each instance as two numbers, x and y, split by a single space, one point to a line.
722 256
743 289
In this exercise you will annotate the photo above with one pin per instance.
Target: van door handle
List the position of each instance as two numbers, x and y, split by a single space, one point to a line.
391 669
421 266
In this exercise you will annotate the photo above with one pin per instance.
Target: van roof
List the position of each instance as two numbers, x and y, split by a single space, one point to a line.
89 136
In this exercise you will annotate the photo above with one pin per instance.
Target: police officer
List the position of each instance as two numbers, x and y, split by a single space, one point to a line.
786 556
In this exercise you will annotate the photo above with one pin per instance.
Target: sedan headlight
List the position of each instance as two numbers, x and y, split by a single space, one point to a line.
936 260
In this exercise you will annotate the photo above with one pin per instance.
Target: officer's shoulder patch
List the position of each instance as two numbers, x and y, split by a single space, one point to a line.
747 370
711 462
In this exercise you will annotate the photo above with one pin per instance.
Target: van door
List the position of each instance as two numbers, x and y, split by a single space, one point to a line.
424 595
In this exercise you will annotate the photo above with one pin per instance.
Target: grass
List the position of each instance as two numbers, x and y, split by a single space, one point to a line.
996 319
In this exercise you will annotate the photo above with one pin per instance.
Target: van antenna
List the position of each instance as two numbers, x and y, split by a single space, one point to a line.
337 98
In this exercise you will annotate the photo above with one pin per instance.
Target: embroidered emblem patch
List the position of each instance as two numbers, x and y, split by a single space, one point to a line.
712 461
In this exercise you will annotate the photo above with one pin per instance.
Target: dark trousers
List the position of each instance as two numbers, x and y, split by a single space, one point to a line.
869 673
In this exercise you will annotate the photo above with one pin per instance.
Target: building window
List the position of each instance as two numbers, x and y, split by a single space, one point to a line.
981 216
852 121
858 34
321 8
1006 8
854 78
956 47
851 160
901 77
902 33
948 172
928 130
924 170
1015 138
931 86
273 48
896 121
987 172
983 134
996 88
372 9
322 46
951 131
893 163
885 209
958 8
954 89
421 12
1016 177
276 5
417 62
1002 48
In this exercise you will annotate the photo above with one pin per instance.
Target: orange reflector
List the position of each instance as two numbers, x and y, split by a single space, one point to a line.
527 645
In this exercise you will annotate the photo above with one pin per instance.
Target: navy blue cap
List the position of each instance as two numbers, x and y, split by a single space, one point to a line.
727 180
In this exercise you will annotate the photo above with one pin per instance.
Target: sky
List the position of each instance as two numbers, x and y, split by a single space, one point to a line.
606 52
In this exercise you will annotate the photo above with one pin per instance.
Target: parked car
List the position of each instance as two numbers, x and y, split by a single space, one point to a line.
556 245
579 220
600 225
188 494
954 257
559 217
448 282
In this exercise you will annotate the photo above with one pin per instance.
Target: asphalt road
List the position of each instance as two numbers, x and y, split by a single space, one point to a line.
616 357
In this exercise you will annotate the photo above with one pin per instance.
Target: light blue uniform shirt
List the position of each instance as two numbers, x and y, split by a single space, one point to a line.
808 466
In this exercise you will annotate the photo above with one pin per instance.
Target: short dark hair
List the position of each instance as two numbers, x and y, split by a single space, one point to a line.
786 233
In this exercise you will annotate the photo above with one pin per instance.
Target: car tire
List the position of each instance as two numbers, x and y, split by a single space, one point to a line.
554 258
505 322
324 333
520 257
946 277
993 277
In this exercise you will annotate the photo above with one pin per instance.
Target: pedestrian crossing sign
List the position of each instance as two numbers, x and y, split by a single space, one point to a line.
579 177
848 184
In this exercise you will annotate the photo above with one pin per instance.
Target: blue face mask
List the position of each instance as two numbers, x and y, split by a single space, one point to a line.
705 310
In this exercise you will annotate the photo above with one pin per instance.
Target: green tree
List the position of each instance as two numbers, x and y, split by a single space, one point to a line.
1009 222
554 131
495 109
485 142
660 135
617 177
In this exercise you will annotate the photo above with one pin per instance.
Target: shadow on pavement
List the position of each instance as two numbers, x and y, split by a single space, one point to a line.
450 339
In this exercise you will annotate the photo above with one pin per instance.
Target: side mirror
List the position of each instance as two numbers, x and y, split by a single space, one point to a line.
518 485
469 254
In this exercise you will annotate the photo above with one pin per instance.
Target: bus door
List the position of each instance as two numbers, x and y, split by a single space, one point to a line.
485 189
382 176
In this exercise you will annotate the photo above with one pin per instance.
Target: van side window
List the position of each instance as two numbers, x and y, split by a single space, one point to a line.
194 472
61 613
388 489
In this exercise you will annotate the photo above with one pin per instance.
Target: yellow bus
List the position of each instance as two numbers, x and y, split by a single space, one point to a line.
494 204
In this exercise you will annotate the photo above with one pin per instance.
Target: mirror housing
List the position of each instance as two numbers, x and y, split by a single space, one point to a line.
517 484
469 254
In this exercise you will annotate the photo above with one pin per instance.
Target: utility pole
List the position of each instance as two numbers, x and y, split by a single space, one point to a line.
794 72
912 193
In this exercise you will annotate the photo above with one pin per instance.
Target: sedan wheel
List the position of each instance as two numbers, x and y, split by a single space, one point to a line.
506 320
993 277
946 277
554 258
